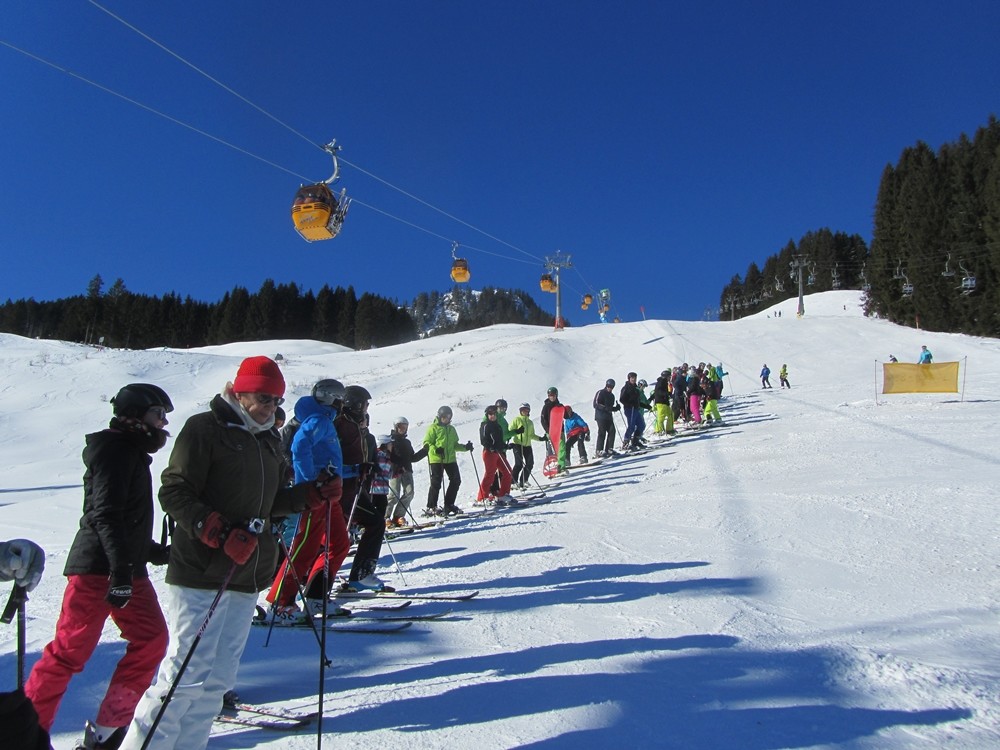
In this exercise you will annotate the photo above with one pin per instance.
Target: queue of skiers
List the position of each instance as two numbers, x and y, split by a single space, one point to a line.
252 510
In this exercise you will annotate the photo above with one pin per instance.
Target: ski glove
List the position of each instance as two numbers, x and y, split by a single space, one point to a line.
159 554
617 407
22 560
439 451
519 430
468 446
119 588
240 545
328 488
212 530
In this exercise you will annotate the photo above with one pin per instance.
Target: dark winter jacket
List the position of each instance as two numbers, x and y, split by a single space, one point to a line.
403 455
117 522
353 446
217 464
661 391
544 416
604 405
491 436
629 395
679 385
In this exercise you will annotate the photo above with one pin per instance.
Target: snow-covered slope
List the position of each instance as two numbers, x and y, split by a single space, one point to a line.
820 572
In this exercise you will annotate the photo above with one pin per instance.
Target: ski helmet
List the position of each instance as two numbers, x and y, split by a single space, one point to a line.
491 409
501 403
328 391
524 407
642 383
400 420
355 397
610 383
385 439
552 390
444 412
135 399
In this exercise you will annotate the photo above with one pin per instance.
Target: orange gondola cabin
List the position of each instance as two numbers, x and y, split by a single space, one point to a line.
317 213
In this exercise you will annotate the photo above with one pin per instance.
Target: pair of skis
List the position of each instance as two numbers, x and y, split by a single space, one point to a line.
264 717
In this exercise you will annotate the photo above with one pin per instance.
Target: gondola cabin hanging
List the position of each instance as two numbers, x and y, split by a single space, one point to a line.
459 266
316 212
546 283
460 270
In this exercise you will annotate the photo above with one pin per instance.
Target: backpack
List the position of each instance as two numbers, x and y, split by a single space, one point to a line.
287 435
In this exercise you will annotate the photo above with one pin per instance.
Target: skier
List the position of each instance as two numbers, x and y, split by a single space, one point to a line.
765 375
23 562
604 409
441 442
783 377
664 424
925 356
711 415
630 398
494 462
678 384
695 392
316 456
577 433
401 482
222 483
369 513
523 431
551 400
106 569
356 503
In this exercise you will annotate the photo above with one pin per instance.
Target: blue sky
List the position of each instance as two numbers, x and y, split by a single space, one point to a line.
663 145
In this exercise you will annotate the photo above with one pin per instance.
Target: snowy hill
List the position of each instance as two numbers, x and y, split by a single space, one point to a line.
820 572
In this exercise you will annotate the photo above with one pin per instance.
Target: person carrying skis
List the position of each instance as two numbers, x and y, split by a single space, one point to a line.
604 409
765 377
106 569
494 462
316 456
577 433
222 484
523 433
783 377
551 400
441 441
401 481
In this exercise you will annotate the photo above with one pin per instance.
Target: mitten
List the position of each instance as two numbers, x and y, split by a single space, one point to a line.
468 446
119 588
239 545
212 529
159 554
439 451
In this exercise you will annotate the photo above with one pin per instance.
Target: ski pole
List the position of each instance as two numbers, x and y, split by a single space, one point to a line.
254 527
476 469
540 488
395 562
302 595
18 596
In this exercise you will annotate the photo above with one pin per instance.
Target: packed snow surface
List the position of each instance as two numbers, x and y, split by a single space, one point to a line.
821 571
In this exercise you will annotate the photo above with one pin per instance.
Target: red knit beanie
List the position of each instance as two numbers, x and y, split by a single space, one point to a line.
259 375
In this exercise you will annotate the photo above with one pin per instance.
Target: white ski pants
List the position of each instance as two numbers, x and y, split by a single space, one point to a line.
187 720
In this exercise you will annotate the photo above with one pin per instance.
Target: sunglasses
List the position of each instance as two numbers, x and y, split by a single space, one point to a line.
158 411
264 399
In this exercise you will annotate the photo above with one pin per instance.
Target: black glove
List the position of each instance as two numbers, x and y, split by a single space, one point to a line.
617 407
366 468
159 554
586 437
519 430
468 446
119 587
439 451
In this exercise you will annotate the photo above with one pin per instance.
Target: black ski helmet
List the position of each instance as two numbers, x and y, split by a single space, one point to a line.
609 383
135 399
328 391
444 411
355 397
501 403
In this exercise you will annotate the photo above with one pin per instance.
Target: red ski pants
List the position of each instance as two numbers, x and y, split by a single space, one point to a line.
305 553
494 463
78 631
